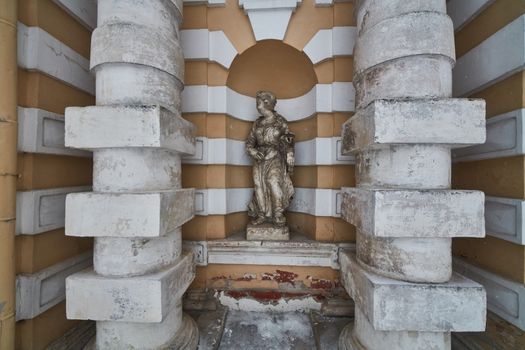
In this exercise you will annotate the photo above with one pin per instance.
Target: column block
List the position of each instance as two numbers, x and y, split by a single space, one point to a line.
415 213
149 214
391 305
145 299
128 126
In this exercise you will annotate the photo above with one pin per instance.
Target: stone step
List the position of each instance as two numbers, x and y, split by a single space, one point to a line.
148 214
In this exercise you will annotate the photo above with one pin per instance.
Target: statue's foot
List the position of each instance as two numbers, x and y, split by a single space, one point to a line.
279 220
259 220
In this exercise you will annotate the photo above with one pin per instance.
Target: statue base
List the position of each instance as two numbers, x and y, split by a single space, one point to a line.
267 232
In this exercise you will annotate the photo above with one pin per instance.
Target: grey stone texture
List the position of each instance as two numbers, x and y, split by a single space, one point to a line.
267 232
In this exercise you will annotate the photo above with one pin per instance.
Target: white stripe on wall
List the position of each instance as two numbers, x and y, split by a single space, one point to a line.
463 11
201 44
496 58
40 131
504 297
38 50
40 211
318 151
504 139
38 292
223 201
504 219
329 43
84 11
335 97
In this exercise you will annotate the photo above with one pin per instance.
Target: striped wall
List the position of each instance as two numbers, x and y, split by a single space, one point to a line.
490 37
53 71
306 59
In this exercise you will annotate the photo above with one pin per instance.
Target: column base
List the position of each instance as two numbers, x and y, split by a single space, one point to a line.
347 341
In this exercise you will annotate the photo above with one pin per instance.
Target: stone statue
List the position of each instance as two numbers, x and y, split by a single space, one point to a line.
271 146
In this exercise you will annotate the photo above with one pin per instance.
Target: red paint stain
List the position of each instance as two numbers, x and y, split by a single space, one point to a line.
264 295
321 284
219 278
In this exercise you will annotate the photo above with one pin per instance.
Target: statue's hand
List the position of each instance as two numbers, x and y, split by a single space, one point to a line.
258 156
290 160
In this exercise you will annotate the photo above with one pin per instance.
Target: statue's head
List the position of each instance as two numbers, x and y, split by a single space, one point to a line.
265 100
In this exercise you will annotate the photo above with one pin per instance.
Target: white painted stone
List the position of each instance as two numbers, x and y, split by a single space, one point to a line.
443 121
38 292
418 33
40 131
145 86
134 170
424 166
305 304
422 214
319 48
371 12
335 97
462 12
424 77
128 126
219 151
314 201
484 65
201 44
390 305
40 211
210 3
504 219
85 11
263 12
128 43
421 260
505 298
149 214
145 299
343 41
222 50
165 15
39 50
504 139
135 256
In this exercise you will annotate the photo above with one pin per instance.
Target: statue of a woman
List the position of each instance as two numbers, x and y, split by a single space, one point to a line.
271 145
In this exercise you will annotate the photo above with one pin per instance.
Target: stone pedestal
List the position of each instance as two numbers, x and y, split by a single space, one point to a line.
137 206
405 213
267 232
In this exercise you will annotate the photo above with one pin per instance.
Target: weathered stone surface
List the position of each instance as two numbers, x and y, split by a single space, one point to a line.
371 12
136 169
427 260
145 86
135 256
144 299
327 330
391 305
137 44
128 126
437 121
267 232
416 33
424 77
150 214
415 213
423 166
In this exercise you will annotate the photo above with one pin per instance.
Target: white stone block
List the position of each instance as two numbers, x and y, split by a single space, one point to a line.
417 33
144 299
485 65
343 41
128 43
320 48
40 131
424 77
149 214
85 11
462 12
424 213
38 292
443 121
40 211
504 219
201 44
222 50
114 256
145 86
505 298
504 139
391 305
128 126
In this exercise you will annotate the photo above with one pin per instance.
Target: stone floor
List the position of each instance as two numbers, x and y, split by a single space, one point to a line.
228 330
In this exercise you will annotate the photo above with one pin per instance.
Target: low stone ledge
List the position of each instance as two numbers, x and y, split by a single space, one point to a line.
139 126
145 299
391 305
415 213
454 122
148 214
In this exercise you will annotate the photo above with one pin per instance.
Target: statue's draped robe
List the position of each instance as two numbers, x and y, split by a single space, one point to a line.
273 185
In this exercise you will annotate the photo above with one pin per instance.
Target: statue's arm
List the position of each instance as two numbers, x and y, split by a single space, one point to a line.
290 149
251 142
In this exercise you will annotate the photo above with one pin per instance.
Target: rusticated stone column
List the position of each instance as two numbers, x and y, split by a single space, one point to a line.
406 215
137 206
